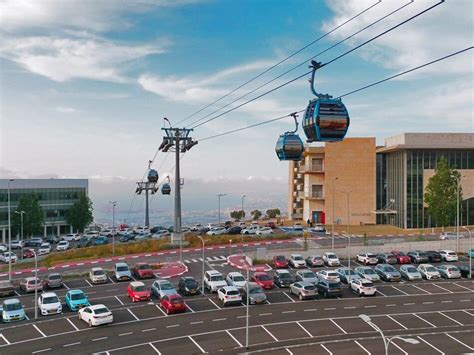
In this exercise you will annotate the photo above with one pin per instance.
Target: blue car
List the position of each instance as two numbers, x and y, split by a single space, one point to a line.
101 240
76 299
12 310
470 253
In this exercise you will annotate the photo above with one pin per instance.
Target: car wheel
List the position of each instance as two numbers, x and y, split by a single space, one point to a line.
362 294
301 297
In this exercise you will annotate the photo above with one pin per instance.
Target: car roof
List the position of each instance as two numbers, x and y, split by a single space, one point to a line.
296 255
306 283
213 272
121 264
97 269
282 272
136 283
49 294
234 273
230 288
96 306
259 273
75 291
30 278
11 301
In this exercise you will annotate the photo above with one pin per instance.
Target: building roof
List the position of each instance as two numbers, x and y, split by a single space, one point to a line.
44 183
428 141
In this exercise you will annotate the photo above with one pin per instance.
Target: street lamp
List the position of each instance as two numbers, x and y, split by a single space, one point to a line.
333 217
247 304
219 207
21 213
243 196
470 251
113 203
348 236
387 340
36 283
203 242
457 212
9 235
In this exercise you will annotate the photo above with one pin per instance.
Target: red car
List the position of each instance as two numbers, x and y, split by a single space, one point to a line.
280 262
173 304
271 225
402 258
143 271
263 280
137 291
28 253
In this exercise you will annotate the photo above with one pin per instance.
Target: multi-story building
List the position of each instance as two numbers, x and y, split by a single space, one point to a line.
355 182
56 196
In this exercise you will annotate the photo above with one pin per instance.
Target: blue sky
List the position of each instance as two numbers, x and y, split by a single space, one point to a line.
85 85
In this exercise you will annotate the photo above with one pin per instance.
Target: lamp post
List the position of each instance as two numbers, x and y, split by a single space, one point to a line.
470 251
9 234
21 213
202 280
113 203
219 207
243 196
333 217
247 304
36 283
348 236
387 340
457 212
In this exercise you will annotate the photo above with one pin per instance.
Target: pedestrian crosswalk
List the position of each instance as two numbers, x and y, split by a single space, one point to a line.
208 258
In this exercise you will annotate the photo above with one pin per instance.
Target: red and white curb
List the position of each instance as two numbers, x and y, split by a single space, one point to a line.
254 268
174 275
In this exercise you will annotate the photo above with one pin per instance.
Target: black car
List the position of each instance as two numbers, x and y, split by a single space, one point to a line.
329 288
84 242
418 257
234 230
33 244
386 258
283 278
126 238
52 239
156 229
187 285
465 270
434 256
203 231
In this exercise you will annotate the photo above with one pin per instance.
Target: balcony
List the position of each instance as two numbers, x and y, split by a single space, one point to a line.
314 195
311 168
297 216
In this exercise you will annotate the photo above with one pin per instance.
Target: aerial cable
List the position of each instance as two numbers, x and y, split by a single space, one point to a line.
281 61
346 94
302 63
322 65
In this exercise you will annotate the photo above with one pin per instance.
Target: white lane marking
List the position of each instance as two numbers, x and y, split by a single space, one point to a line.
194 260
118 299
367 351
306 331
198 346
111 279
148 330
67 287
235 339
396 321
265 329
158 306
5 339
408 304
172 326
41 351
197 322
424 320
337 325
428 302
432 346
399 348
448 301
219 319
210 300
26 316
421 289
459 341
125 334
242 317
89 283
467 312
223 257
370 306
390 305
97 339
330 353
396 288
208 258
71 344
464 287
154 348
284 312
133 314
265 314
329 309
289 351
349 307
452 319
310 310
287 295
39 330
383 294
445 289
187 261
73 325
187 306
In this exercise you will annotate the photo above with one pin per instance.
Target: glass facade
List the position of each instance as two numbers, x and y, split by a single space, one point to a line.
400 182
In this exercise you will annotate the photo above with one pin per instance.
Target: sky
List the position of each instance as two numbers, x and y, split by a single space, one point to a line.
85 85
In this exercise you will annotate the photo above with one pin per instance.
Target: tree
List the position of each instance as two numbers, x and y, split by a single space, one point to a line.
79 216
441 193
272 213
33 218
237 215
256 214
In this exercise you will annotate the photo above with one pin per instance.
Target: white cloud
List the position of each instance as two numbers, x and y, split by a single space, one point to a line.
64 109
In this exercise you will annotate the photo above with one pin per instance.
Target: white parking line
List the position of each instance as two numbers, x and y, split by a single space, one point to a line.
289 351
219 319
39 330
198 346
71 344
265 314
111 279
67 287
337 325
73 325
153 347
284 312
330 353
430 345
399 348
210 300
459 341
464 287
235 339
454 320
187 306
134 316
97 339
424 320
445 289
383 294
421 289
367 351
148 330
396 288
125 334
159 308
5 339
306 331
187 261
194 260
41 351
265 329
400 324
88 282
172 326
118 299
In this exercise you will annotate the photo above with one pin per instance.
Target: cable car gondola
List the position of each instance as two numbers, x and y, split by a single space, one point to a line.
166 188
289 145
326 119
152 175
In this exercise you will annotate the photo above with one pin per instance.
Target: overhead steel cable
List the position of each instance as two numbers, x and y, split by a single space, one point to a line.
346 94
281 61
302 63
331 61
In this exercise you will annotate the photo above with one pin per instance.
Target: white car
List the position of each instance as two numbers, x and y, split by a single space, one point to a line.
96 315
449 236
62 245
17 244
45 248
235 279
329 275
3 248
229 294
367 258
331 259
106 232
250 230
142 230
264 230
126 231
297 261
217 231
196 227
160 234
97 275
448 255
8 257
429 272
298 227
49 303
213 280
92 234
363 287
71 237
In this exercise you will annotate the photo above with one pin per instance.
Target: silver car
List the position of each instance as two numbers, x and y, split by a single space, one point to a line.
161 288
449 271
122 272
303 290
306 276
366 272
346 274
255 294
410 272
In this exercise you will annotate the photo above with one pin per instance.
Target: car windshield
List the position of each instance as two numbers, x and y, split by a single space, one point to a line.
77 296
191 283
55 277
217 278
422 253
451 253
12 306
389 269
98 272
298 257
332 274
141 288
280 258
239 278
101 310
32 282
333 284
431 269
166 286
367 284
401 253
371 256
233 292
349 272
308 274
412 269
51 299
177 300
332 256
285 275
369 271
143 267
122 268
263 277
255 290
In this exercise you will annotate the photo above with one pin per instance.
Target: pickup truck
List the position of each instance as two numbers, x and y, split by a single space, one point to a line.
6 288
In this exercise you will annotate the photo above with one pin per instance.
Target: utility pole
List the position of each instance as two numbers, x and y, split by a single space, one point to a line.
179 140
243 196
333 217
9 233
148 186
113 203
219 208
